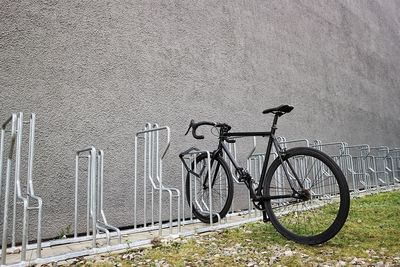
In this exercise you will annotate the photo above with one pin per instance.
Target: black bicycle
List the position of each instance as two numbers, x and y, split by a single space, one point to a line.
302 192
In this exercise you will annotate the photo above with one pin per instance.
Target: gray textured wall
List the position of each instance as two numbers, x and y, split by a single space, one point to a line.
95 71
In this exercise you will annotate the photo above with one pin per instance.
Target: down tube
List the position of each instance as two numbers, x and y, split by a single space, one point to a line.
232 159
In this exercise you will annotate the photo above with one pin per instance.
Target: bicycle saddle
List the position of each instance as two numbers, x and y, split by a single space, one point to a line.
281 109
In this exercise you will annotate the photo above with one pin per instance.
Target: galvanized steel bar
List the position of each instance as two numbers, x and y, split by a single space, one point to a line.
30 188
153 172
191 156
102 221
96 220
12 119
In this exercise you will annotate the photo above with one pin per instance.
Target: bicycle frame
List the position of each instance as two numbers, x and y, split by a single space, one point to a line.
256 194
313 166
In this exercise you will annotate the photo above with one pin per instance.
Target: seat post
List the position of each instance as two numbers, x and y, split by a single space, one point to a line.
275 122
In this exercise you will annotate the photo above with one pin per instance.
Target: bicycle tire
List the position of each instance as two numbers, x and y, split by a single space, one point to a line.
327 218
225 185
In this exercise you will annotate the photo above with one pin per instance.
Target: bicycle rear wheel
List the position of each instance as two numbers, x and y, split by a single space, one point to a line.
320 208
198 189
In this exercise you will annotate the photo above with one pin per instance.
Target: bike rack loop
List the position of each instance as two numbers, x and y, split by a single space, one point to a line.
100 193
15 122
361 162
12 119
355 165
395 154
152 171
343 158
381 161
284 142
94 198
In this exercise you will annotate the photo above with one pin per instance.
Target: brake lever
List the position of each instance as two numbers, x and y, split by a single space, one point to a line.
190 126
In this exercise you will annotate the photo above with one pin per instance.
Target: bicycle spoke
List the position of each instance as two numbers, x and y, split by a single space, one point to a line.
315 208
200 187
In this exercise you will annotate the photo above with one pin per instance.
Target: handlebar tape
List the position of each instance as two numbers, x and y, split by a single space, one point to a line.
196 125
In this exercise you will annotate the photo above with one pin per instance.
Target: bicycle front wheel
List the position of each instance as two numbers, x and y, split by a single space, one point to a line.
320 199
199 196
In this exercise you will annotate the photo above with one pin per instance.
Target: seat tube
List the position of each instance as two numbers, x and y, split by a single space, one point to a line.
267 153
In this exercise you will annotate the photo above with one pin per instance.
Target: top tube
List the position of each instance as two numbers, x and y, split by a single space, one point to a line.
232 134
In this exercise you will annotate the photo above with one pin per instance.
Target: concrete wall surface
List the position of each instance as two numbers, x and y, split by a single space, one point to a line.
95 71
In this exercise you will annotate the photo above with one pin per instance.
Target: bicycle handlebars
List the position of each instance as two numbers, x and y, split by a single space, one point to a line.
194 125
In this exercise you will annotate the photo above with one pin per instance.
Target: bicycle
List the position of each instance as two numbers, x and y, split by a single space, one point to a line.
302 192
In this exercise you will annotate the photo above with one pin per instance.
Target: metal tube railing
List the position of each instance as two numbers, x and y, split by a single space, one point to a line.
95 216
395 154
15 140
367 168
153 173
12 119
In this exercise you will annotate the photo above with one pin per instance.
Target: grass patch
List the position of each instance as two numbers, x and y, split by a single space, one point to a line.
371 234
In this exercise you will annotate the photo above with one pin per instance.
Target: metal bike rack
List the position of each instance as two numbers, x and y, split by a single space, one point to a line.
395 156
95 217
364 174
189 158
337 151
366 169
255 162
284 142
233 151
298 166
153 173
383 165
12 144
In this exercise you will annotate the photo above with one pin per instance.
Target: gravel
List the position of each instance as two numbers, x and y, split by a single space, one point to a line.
231 254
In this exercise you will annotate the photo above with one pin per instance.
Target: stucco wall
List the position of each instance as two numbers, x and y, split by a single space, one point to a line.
96 71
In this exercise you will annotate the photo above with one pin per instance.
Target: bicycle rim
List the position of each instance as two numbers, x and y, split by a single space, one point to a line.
323 208
198 192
